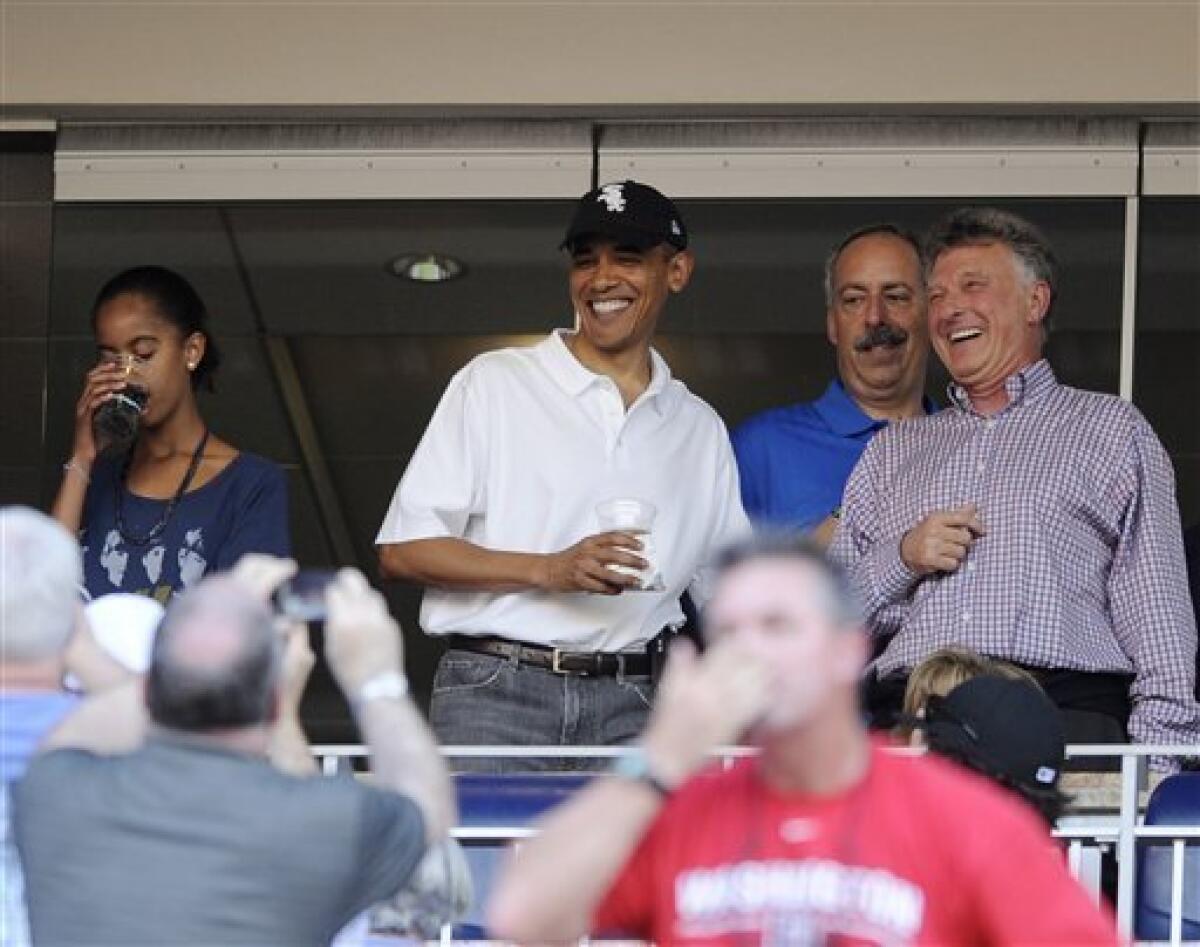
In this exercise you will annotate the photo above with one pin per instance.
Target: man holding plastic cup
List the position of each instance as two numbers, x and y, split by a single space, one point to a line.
562 499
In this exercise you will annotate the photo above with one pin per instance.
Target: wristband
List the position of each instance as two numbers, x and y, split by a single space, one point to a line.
387 685
635 766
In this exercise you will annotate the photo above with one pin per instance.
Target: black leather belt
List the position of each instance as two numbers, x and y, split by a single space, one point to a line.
580 663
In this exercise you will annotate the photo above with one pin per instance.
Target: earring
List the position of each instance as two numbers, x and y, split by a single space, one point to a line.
191 366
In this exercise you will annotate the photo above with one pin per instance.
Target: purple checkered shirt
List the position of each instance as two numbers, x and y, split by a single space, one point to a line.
1081 566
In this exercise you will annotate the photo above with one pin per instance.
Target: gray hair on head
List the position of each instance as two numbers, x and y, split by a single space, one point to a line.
981 226
41 573
216 660
870 230
839 600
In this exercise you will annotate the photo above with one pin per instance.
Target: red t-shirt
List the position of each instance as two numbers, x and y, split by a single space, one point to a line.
919 852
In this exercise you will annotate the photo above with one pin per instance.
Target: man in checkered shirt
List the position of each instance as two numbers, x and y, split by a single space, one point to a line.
1030 521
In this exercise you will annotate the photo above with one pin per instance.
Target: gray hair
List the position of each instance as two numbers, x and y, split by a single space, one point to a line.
838 598
184 693
870 230
40 575
980 226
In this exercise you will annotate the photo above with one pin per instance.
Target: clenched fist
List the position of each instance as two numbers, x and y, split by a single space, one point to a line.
939 543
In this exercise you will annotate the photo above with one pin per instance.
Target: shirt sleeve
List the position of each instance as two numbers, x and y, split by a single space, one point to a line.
859 546
730 524
443 484
391 843
260 523
746 449
1021 890
1148 596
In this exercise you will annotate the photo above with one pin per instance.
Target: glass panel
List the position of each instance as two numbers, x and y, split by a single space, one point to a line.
1168 336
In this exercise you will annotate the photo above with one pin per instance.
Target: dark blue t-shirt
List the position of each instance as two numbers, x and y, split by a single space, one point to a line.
242 509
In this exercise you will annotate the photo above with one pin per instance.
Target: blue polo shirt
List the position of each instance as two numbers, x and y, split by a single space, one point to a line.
794 461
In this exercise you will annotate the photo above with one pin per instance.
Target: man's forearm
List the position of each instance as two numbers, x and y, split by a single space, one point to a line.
550 890
109 723
452 563
405 758
289 750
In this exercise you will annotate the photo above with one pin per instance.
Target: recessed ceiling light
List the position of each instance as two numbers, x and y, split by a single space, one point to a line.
426 267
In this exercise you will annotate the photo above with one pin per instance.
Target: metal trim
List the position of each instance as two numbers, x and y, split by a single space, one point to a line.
1129 299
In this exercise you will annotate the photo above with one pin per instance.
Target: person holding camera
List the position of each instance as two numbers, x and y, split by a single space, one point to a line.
213 830
155 499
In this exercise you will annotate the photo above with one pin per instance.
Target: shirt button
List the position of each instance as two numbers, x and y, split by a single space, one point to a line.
966 617
981 467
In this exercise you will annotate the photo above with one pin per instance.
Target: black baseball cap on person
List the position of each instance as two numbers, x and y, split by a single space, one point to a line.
628 213
1008 727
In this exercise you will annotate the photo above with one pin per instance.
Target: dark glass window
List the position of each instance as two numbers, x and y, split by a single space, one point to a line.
1167 353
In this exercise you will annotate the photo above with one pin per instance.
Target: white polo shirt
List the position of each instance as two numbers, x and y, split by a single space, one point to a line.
522 447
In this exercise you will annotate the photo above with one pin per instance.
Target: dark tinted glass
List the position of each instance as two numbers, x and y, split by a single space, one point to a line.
1168 336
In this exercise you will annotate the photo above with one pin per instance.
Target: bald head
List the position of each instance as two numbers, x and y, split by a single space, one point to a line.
215 663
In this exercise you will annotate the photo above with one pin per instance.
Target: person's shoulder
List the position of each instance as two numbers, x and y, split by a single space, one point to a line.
695 409
906 437
377 812
766 424
714 786
251 474
257 467
54 771
953 797
1103 408
500 366
505 359
1111 424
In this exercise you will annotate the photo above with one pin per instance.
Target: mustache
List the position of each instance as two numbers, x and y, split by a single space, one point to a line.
882 334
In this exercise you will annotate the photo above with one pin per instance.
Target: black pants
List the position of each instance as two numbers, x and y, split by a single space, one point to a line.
1095 706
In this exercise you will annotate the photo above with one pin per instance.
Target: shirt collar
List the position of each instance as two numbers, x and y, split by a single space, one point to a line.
1029 384
575 378
843 415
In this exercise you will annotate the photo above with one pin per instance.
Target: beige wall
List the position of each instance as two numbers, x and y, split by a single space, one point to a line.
181 53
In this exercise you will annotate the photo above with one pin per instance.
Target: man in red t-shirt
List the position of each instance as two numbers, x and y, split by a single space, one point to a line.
822 838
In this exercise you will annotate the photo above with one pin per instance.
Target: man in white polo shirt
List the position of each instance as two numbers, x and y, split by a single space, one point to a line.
496 514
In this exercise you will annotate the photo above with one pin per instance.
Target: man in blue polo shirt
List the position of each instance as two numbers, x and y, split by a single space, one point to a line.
794 461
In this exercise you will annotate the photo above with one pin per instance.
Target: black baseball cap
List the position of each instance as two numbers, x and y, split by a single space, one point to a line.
628 213
1008 727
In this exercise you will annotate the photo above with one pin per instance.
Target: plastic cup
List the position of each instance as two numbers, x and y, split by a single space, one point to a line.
632 515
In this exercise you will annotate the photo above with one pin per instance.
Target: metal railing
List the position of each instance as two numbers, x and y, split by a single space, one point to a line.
1123 830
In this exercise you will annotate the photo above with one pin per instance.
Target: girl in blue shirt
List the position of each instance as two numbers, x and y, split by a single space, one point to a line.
156 514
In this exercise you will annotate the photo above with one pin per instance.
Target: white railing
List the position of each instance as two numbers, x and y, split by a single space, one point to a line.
1084 842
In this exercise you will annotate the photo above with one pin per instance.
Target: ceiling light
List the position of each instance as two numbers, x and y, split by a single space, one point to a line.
426 267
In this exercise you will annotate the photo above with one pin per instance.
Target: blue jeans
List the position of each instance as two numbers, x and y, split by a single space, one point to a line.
483 699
